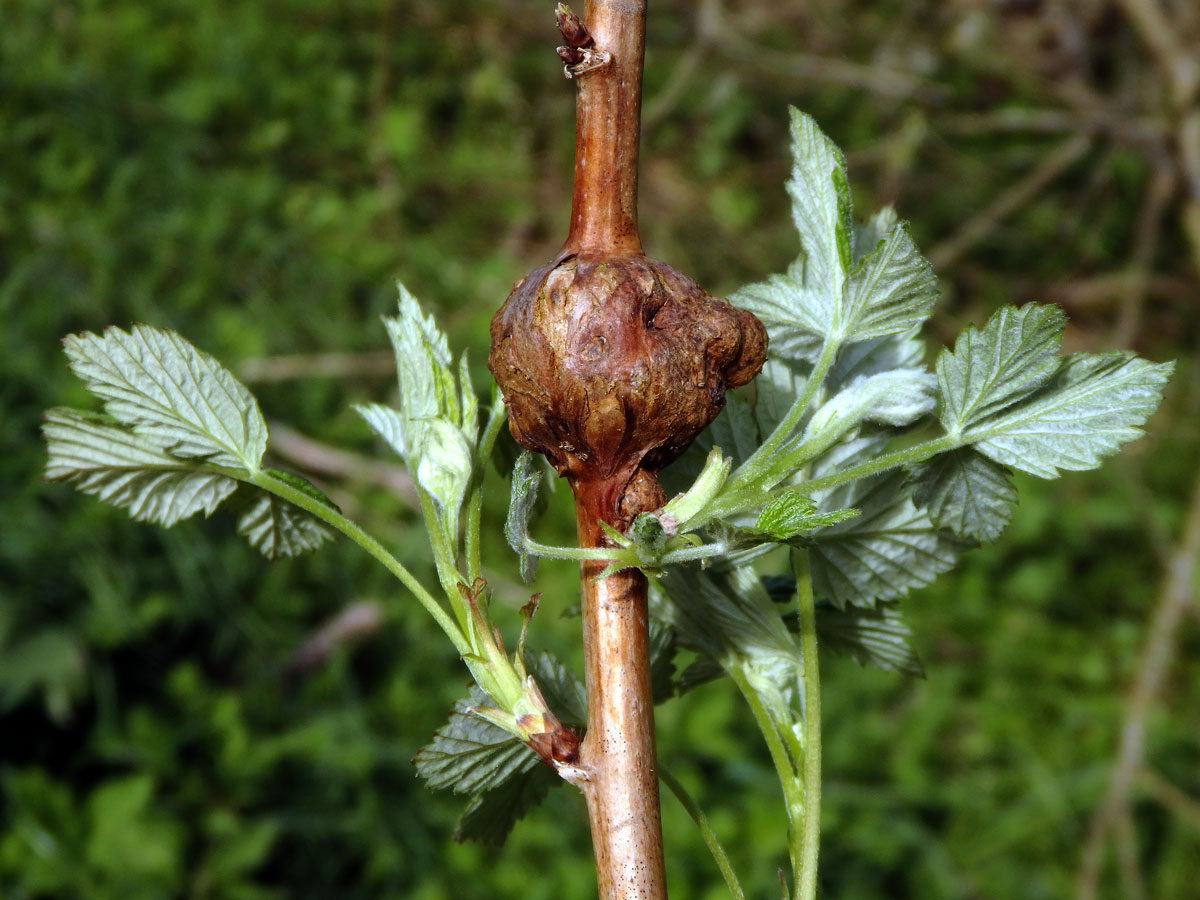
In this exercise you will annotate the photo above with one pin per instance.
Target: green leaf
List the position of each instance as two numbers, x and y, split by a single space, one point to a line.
491 815
821 209
991 368
890 548
303 485
469 754
128 470
280 529
876 637
388 424
894 398
177 398
791 513
868 235
525 479
892 289
883 354
1092 405
966 493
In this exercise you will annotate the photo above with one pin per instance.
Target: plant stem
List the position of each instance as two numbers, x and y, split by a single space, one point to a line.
607 130
618 752
810 824
350 529
710 837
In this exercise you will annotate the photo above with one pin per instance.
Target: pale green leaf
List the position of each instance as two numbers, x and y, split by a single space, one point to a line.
469 754
995 366
525 479
444 469
892 290
388 424
868 235
280 529
966 493
128 470
893 398
795 315
883 354
890 548
176 397
821 210
776 389
1092 405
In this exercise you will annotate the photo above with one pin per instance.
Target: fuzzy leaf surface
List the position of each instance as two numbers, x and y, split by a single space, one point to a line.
129 471
524 491
893 289
1092 405
992 367
890 548
966 493
176 397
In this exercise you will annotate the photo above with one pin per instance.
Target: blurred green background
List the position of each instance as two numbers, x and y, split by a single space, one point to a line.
259 174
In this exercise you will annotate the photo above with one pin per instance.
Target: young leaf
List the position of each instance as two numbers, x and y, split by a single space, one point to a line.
891 547
791 513
894 398
1092 405
125 469
491 815
993 367
821 210
469 755
525 480
278 529
892 290
179 399
883 354
966 493
868 235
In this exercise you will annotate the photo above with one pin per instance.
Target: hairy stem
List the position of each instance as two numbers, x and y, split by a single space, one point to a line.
810 825
607 131
618 752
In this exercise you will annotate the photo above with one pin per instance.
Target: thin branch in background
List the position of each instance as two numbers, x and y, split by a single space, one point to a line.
350 624
1147 230
1178 803
318 365
322 459
1176 595
1009 201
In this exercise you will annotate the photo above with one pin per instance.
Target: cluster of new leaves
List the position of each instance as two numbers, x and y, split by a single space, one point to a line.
435 428
178 434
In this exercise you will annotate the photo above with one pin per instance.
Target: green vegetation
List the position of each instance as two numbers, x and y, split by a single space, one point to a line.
241 174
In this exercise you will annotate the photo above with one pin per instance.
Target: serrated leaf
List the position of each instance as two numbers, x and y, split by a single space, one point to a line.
876 637
125 469
734 430
776 389
387 423
821 209
792 313
444 469
883 354
469 754
890 548
892 289
1092 405
992 367
280 529
868 235
491 815
893 398
791 513
966 493
662 661
525 479
178 398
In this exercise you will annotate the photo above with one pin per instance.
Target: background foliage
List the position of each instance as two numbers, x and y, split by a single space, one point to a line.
257 175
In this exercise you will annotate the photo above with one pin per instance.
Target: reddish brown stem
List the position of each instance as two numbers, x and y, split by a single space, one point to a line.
607 130
618 751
